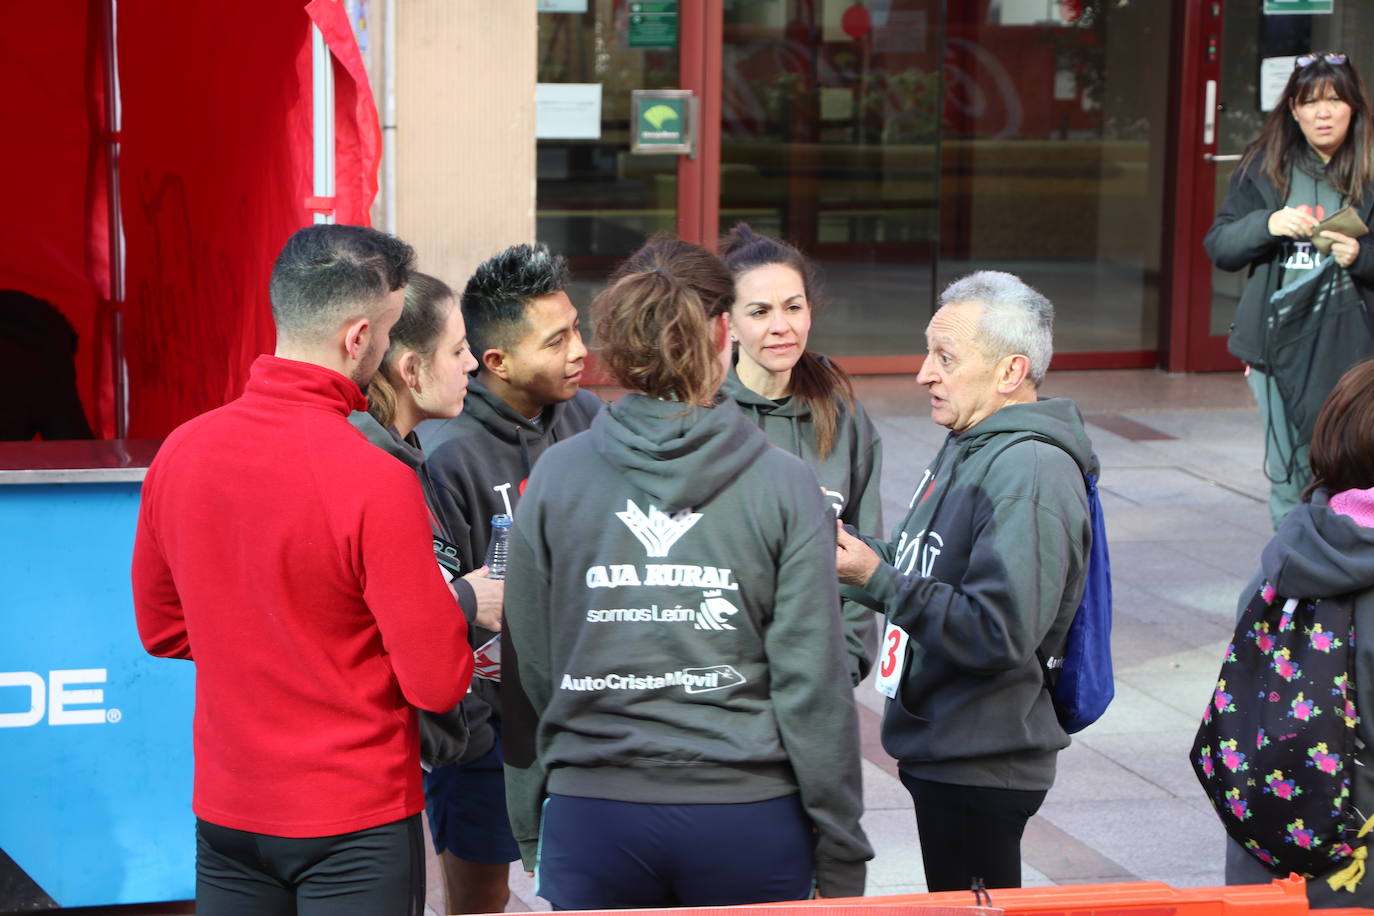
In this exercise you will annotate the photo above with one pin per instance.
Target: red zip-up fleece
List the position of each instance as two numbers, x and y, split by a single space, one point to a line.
292 560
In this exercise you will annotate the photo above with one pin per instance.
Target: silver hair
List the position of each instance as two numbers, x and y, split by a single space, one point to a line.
1016 319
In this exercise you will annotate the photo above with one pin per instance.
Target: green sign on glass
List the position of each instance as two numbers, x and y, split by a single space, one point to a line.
663 121
1296 7
653 23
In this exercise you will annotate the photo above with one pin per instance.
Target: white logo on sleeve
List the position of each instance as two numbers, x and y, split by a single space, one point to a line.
657 531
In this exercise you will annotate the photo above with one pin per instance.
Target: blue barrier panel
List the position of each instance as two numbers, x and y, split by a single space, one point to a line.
95 735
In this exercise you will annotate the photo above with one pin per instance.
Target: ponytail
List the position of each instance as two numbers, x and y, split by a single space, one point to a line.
821 385
654 335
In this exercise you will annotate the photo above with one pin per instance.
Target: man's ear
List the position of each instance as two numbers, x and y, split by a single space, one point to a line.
1012 371
496 362
357 334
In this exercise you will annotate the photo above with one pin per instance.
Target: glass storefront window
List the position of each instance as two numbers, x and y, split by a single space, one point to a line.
1053 158
596 201
828 138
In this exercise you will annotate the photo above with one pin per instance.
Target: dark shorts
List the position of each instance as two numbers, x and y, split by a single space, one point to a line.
363 873
466 805
597 854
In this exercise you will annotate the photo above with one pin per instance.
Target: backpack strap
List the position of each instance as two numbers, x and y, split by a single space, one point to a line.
1049 662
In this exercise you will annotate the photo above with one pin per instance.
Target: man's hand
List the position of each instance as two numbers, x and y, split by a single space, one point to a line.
855 561
491 597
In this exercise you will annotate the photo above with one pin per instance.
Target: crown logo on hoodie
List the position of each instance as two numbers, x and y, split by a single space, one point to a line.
657 531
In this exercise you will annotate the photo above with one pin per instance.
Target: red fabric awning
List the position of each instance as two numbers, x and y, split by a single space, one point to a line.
215 174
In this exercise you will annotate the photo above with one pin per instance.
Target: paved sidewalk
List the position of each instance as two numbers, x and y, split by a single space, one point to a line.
1185 501
1187 517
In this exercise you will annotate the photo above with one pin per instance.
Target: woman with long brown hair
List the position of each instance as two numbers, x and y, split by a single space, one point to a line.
671 598
1314 156
802 401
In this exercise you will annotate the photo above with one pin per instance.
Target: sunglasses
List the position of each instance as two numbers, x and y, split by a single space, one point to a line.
1331 57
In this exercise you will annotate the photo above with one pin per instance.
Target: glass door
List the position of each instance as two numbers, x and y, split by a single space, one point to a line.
1239 55
596 201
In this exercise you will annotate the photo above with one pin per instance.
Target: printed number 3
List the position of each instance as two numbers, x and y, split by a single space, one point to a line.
894 643
890 670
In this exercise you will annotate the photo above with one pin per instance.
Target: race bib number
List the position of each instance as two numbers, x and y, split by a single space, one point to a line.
891 658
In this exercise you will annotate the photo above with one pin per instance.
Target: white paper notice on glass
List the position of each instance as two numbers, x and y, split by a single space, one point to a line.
567 111
1274 74
562 6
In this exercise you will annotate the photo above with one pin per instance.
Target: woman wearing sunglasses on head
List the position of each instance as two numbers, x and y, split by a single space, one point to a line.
1314 156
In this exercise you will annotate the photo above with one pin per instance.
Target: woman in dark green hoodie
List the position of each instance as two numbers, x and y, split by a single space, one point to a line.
804 403
671 596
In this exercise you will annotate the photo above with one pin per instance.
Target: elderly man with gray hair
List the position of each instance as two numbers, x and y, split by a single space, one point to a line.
980 582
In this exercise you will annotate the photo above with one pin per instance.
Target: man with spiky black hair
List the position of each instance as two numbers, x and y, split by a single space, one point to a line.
526 395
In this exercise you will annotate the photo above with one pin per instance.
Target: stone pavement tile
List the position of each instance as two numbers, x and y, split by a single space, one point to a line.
1149 522
1135 642
1211 877
1168 570
1180 690
1085 773
1158 757
883 791
1135 710
1159 840
1064 858
896 865
1166 486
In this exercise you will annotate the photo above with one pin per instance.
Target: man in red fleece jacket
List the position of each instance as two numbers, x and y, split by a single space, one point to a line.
292 561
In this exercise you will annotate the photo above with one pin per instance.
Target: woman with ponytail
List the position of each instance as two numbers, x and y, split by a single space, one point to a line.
424 375
671 599
803 402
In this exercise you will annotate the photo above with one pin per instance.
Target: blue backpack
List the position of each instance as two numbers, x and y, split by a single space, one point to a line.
1080 677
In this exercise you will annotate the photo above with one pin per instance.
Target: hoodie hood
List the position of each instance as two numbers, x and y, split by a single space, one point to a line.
1318 553
752 401
1056 419
680 455
499 419
385 438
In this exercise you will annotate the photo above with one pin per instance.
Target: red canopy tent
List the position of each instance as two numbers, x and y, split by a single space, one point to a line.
199 118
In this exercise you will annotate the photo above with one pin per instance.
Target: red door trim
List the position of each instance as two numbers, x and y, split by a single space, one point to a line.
1190 345
701 30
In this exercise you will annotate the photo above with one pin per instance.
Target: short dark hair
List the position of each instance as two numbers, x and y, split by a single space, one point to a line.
496 296
329 273
1342 455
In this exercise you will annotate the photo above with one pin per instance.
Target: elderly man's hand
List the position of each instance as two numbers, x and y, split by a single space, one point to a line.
855 561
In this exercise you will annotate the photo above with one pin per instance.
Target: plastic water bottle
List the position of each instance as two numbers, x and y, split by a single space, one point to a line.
499 546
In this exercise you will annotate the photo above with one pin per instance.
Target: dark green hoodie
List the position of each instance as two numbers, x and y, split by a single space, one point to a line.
850 475
997 572
671 594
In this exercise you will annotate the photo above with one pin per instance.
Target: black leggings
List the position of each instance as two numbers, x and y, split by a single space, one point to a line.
970 832
379 871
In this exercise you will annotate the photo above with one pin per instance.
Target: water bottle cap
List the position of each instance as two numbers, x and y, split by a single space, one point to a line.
501 520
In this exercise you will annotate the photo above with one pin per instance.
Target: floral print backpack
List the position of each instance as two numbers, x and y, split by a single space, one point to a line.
1276 749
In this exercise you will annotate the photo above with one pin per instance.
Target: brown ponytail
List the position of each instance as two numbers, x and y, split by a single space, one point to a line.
818 383
654 335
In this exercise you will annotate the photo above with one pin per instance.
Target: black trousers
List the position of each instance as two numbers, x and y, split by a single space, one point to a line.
970 832
379 871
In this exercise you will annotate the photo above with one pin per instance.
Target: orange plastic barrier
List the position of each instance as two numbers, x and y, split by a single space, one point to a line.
1281 897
